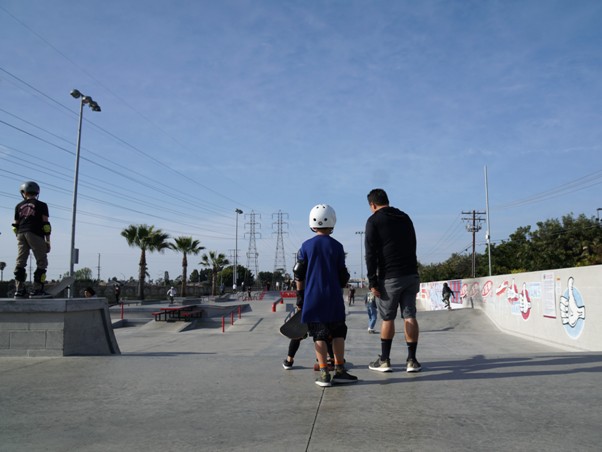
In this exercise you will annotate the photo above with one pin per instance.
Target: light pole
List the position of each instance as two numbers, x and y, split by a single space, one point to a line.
94 107
238 212
361 234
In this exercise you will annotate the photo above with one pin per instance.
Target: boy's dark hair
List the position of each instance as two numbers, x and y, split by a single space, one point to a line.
378 197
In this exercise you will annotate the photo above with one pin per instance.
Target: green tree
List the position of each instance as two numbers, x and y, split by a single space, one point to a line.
216 262
83 274
2 267
205 275
458 266
242 274
265 278
569 242
513 255
186 246
147 238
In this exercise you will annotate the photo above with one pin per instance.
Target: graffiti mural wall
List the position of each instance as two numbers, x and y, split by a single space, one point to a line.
561 306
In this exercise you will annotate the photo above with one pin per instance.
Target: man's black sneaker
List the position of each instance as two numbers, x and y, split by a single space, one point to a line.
381 365
324 379
20 294
342 377
413 365
288 365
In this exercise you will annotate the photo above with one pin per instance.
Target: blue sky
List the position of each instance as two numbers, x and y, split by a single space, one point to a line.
274 106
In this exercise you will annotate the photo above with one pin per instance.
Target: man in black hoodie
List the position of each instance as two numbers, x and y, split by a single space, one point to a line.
392 276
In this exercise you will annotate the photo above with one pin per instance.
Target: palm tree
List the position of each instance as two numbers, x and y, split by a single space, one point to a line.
2 267
216 262
186 245
147 238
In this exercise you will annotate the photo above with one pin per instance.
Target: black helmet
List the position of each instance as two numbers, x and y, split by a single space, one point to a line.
30 187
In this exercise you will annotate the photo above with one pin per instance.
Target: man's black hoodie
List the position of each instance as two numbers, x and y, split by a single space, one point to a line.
390 245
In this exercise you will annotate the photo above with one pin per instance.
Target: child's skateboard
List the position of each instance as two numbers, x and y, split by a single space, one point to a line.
293 328
58 288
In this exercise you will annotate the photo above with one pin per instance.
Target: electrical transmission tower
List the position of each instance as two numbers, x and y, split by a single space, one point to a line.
279 260
473 224
252 254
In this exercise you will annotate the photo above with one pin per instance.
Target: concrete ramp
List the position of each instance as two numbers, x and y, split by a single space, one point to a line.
459 320
168 327
480 390
56 327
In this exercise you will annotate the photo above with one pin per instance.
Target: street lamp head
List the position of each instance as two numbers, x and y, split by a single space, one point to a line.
86 100
238 211
93 105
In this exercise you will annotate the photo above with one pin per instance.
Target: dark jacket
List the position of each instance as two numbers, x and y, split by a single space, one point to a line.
390 245
29 216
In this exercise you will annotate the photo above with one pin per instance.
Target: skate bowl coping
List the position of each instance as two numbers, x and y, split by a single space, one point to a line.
56 327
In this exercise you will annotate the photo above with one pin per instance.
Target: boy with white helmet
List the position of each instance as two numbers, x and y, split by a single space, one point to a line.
32 228
320 274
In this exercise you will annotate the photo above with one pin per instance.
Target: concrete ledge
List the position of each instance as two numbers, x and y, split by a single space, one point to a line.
56 327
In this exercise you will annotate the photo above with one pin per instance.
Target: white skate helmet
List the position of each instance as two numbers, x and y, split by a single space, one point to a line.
322 216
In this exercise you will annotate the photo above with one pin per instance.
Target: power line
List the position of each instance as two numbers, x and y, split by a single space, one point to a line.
581 183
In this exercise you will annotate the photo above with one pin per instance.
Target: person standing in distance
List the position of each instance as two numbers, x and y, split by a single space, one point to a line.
392 269
117 293
32 228
171 293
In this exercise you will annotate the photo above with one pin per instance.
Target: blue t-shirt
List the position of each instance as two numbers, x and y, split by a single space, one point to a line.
323 301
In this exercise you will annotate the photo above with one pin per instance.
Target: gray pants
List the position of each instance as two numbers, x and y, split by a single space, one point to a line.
398 292
26 242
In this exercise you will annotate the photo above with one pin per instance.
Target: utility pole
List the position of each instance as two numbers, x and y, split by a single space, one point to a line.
473 225
232 259
488 233
279 260
98 269
361 234
234 276
252 253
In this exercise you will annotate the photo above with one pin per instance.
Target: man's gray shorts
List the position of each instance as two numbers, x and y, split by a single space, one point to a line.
400 292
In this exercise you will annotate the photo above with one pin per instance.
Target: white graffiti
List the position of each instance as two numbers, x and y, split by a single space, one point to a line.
570 312
524 302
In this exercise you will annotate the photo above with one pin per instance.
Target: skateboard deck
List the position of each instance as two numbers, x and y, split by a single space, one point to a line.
62 285
293 328
58 288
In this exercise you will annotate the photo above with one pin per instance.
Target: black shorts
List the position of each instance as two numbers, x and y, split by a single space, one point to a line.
327 331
